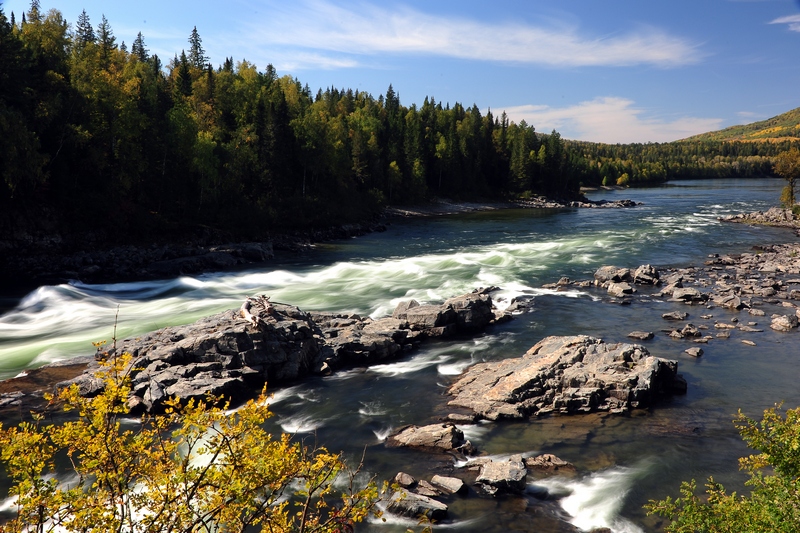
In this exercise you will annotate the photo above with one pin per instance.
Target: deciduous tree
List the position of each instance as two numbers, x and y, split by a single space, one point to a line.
197 468
773 505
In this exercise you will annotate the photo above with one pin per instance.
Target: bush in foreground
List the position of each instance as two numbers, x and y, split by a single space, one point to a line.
773 504
198 468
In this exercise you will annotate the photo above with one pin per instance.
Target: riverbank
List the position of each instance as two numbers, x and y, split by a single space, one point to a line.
51 258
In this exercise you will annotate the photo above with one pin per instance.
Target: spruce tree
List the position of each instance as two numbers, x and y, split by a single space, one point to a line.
84 33
34 13
138 49
197 56
107 41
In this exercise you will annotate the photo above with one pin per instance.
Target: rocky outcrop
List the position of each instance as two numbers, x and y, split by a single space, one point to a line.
577 374
774 216
435 437
235 352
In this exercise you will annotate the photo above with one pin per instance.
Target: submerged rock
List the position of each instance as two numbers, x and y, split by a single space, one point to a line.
565 375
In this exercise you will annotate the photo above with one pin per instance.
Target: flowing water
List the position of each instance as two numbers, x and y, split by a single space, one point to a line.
623 461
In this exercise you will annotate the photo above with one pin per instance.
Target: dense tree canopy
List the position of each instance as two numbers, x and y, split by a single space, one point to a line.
111 138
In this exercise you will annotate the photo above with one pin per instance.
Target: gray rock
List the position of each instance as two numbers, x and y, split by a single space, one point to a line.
440 437
690 330
452 485
426 489
646 275
548 464
688 294
415 506
235 352
406 481
783 322
507 476
619 290
612 274
565 375
675 315
641 335
695 351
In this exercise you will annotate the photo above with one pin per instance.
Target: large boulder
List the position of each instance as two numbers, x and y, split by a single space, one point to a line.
436 437
565 375
415 506
507 476
612 274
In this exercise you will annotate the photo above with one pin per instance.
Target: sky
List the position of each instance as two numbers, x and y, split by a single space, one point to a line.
613 71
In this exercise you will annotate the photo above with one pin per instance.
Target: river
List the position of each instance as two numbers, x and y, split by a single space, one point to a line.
623 460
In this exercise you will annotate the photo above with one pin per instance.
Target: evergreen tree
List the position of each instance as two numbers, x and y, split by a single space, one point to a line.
34 13
84 33
138 49
183 80
13 22
107 41
197 56
123 47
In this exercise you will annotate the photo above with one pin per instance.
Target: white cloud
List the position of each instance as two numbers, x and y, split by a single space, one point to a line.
792 20
365 29
609 120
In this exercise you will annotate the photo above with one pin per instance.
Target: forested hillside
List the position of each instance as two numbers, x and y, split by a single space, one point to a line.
115 136
101 135
783 127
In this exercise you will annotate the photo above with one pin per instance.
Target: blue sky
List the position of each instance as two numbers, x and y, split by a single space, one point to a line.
606 71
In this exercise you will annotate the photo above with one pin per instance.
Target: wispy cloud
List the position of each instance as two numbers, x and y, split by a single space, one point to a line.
361 30
792 20
609 120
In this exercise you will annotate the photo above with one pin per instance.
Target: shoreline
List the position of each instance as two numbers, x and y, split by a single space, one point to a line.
55 259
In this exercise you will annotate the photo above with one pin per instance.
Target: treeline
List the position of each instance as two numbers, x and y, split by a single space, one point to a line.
109 136
117 137
631 164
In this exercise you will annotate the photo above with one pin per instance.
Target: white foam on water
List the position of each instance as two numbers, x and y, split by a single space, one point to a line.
454 369
475 432
595 501
383 434
370 409
300 424
416 364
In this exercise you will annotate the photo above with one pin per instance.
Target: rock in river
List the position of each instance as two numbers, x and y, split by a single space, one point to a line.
235 352
566 375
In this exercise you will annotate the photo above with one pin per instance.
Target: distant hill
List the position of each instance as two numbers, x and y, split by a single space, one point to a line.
782 127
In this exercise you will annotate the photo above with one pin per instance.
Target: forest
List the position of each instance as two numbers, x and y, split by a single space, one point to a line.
110 137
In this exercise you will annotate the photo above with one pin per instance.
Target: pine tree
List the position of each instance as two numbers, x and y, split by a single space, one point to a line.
13 22
197 56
